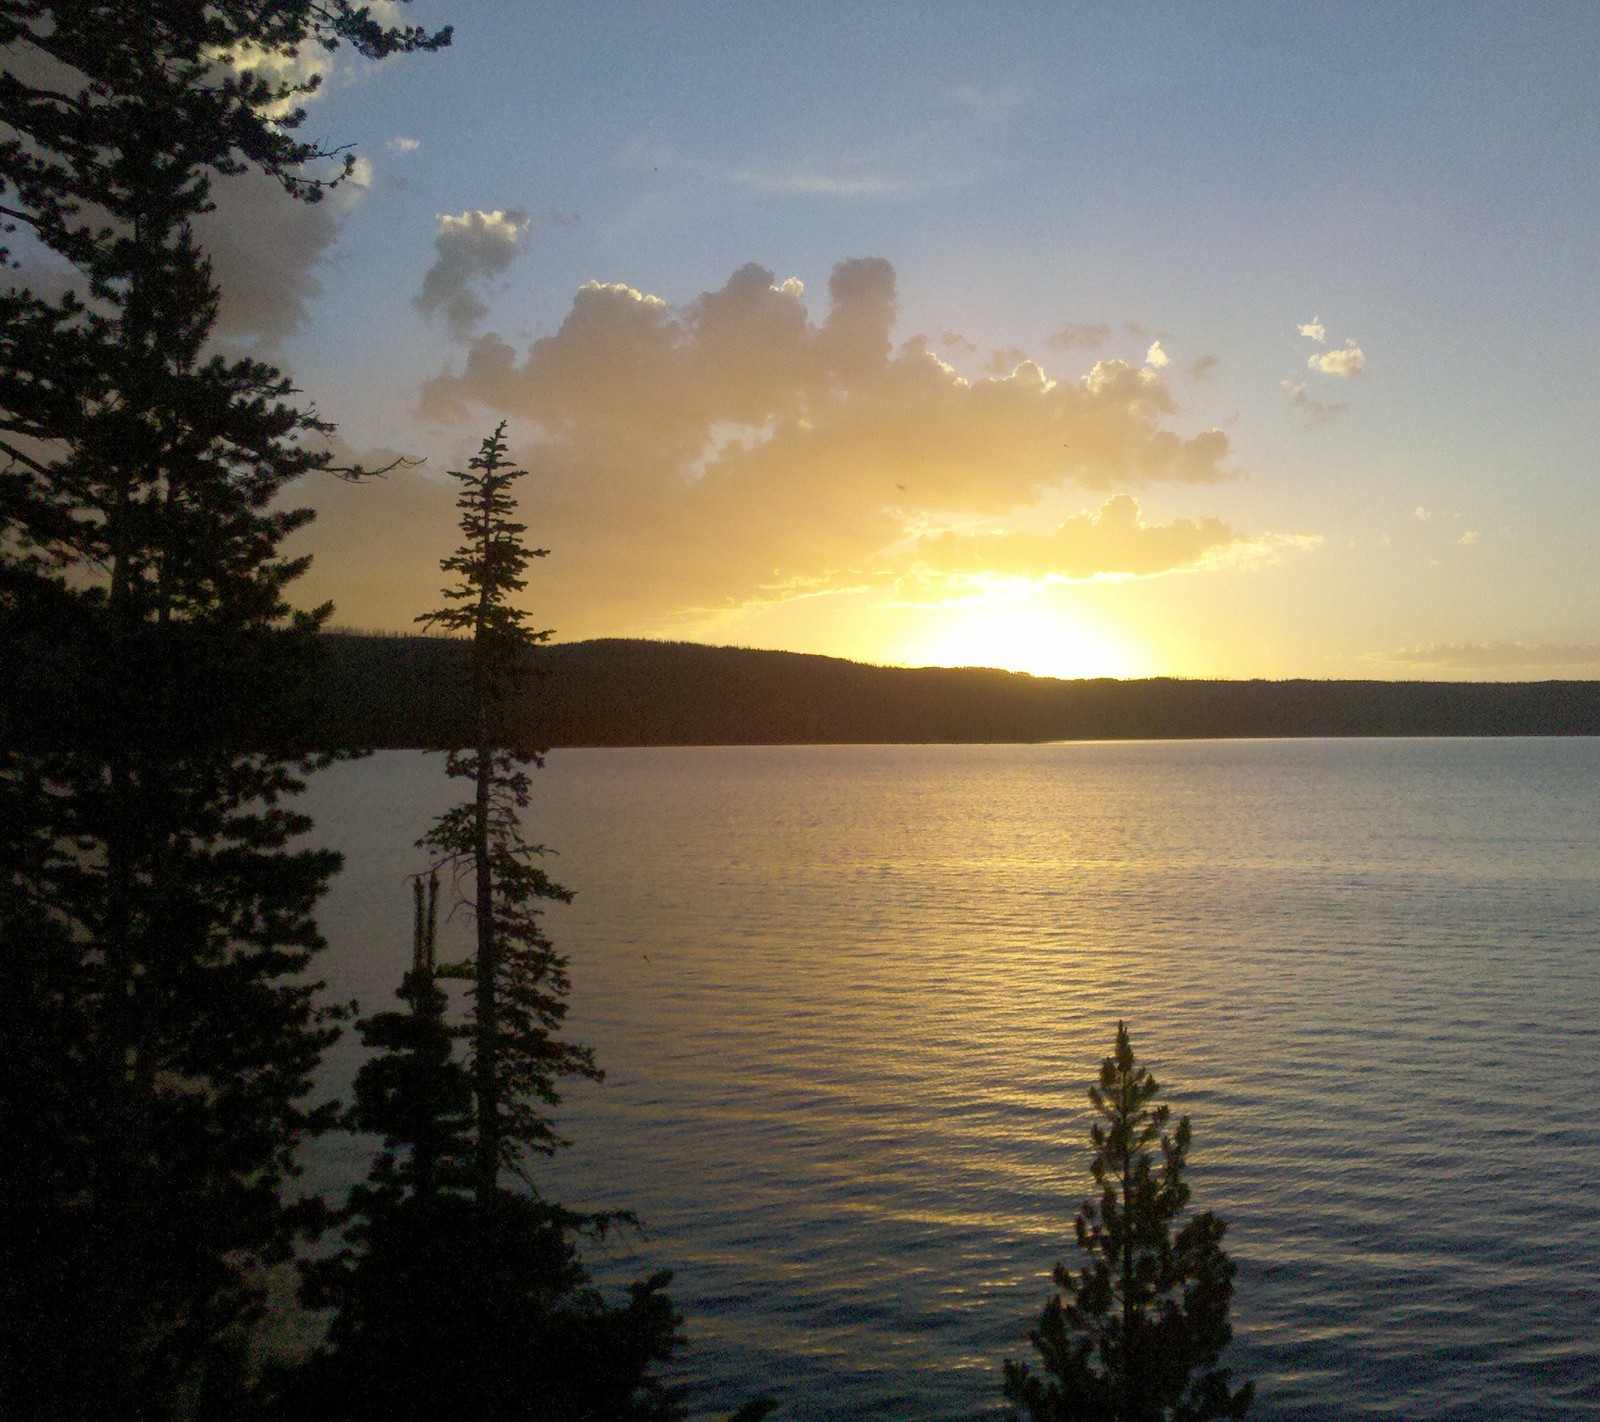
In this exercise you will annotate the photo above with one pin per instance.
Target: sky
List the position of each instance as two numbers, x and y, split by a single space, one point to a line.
1239 340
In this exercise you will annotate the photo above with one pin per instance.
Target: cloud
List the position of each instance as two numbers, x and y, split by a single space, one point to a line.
873 175
1503 656
1423 515
1203 366
470 249
1083 336
265 248
1346 363
1314 330
401 144
1112 540
737 448
307 65
1315 411
1469 538
1003 362
556 218
1157 358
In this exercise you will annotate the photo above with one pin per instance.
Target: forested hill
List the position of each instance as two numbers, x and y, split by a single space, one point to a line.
405 691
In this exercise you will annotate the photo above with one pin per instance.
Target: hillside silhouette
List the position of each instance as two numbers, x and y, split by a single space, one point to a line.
407 691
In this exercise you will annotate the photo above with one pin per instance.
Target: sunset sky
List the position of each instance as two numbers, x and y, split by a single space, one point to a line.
1190 339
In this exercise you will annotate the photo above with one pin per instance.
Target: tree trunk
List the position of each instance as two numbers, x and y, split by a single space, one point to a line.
486 1065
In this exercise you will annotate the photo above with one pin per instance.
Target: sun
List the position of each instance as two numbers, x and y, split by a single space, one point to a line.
1017 634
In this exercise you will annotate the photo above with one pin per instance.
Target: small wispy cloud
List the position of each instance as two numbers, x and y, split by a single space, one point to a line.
1469 538
1005 360
1081 336
402 144
1501 656
869 176
1314 330
994 102
1314 411
1203 367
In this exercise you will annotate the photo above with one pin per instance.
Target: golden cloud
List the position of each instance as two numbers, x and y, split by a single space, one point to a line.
1112 540
734 449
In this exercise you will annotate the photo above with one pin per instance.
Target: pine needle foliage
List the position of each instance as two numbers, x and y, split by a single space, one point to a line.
1135 1333
158 928
520 982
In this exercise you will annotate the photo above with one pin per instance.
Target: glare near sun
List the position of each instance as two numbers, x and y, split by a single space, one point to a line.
1017 635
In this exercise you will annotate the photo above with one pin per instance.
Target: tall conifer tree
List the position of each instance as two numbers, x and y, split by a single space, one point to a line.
454 1294
158 920
519 980
1136 1332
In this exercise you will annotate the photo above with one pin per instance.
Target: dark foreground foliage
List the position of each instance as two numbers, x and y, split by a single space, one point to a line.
156 913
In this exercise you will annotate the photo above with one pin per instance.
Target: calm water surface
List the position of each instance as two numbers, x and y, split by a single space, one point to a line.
849 999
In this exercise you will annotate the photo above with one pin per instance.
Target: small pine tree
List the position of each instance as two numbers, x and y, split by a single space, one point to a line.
1135 1334
519 980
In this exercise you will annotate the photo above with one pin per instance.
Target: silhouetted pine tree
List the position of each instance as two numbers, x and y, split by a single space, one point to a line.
158 922
1135 1334
519 980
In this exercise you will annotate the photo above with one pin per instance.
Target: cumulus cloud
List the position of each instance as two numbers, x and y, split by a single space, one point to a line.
402 144
470 249
1469 538
266 247
306 66
1157 358
1082 336
1112 540
740 448
1347 362
1503 656
1314 330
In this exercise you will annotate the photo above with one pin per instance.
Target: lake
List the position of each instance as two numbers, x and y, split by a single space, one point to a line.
849 1000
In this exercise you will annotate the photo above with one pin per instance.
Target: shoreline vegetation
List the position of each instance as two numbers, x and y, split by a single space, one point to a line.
405 692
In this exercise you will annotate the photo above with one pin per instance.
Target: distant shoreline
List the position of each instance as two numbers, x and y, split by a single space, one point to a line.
373 691
398 691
